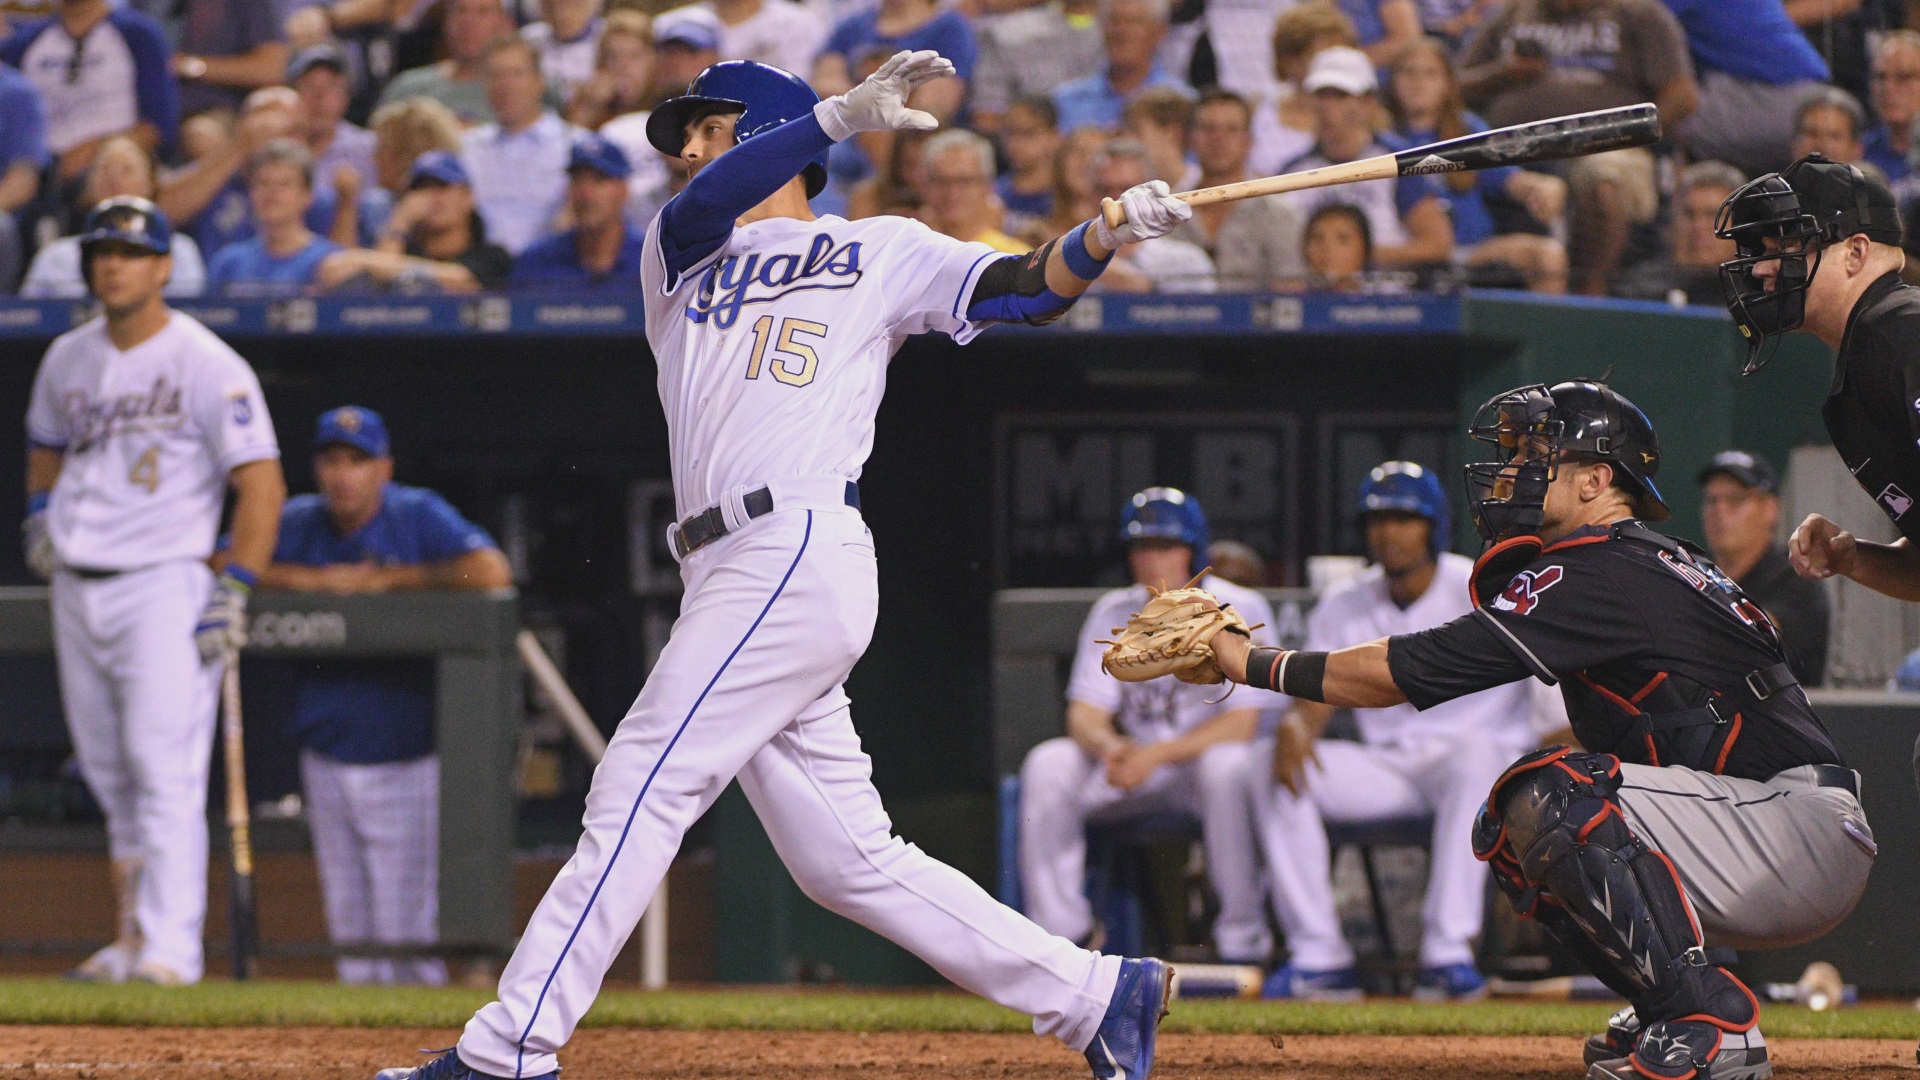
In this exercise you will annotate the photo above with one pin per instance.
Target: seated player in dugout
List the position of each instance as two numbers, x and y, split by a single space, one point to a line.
1135 749
1818 250
365 727
1670 838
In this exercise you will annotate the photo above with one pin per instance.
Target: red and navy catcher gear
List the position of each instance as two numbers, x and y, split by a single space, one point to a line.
764 97
128 220
1407 487
1560 848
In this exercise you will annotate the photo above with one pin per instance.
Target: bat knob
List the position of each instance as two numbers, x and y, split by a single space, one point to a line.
1113 212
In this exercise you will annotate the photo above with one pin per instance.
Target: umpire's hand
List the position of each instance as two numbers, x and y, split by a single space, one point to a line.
1821 549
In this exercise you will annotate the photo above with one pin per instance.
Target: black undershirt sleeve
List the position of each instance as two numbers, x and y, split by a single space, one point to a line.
1451 660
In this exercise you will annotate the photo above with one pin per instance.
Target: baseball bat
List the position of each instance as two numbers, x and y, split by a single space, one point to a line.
241 913
1521 144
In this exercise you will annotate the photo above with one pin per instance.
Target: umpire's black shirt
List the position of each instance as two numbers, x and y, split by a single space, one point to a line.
1626 630
1798 606
1873 409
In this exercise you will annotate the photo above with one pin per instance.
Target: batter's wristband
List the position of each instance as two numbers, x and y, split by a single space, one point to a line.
241 576
1080 262
37 502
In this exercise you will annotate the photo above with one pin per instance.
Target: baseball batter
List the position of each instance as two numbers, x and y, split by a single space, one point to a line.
1711 809
772 330
1406 763
1133 749
140 420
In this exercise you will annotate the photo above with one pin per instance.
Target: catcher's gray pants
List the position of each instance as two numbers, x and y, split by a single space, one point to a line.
1765 864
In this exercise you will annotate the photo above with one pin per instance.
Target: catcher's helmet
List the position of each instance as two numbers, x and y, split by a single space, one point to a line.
126 219
1533 427
1408 487
1164 513
1813 203
764 96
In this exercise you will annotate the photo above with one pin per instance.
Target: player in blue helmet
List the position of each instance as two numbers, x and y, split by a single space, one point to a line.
763 95
1169 516
1407 487
129 223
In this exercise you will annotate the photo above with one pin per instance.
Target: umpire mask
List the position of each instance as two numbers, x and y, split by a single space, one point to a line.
1508 493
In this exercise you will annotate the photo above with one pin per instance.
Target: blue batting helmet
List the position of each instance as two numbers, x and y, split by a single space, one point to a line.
1164 513
128 220
1407 487
764 96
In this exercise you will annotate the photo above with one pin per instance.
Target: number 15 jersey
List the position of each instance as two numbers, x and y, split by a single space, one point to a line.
773 350
148 437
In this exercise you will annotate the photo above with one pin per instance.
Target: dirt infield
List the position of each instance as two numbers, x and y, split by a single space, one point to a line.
102 1053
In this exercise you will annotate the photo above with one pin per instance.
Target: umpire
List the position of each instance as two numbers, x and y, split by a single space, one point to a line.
1818 249
1752 834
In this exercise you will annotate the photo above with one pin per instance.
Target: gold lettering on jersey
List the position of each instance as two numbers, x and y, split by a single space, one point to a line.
739 280
95 420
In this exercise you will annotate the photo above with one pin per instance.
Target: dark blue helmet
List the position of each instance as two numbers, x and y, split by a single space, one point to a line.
764 96
1407 487
1164 513
126 219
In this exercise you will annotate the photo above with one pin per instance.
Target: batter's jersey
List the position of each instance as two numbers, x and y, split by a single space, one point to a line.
773 350
148 437
1152 712
1360 610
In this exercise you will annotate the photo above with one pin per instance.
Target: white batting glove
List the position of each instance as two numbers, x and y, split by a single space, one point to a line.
37 542
880 103
1151 211
222 628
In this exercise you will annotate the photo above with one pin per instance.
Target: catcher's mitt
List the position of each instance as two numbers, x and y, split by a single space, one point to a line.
1172 635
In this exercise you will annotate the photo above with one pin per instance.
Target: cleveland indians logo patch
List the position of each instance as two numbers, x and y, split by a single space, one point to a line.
1522 594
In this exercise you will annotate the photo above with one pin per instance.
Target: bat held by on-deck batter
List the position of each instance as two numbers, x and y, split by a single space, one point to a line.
1522 144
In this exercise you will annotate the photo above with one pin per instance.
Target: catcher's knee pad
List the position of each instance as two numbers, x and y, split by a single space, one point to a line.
1558 844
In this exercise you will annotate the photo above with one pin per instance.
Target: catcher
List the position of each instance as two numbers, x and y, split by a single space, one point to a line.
1711 809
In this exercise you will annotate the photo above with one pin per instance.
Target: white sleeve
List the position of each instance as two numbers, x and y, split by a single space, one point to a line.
46 425
189 269
1089 684
233 414
55 272
1325 632
938 274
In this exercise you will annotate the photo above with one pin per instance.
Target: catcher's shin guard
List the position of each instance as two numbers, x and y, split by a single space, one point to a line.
1553 833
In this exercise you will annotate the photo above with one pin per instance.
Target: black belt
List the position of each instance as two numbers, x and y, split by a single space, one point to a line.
89 573
1837 776
710 524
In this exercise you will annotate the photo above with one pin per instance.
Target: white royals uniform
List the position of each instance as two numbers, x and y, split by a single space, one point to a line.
1062 788
1408 763
148 438
772 355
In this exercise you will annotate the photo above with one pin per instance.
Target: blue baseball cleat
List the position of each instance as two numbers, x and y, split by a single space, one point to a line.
1450 982
448 1066
1290 983
1123 1047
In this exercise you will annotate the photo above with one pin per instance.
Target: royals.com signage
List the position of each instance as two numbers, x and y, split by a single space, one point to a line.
1061 480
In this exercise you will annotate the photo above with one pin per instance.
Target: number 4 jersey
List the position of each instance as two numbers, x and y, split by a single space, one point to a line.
773 350
148 437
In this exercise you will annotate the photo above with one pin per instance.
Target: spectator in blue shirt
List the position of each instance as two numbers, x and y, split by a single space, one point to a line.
1896 101
602 250
365 727
1385 26
1030 139
892 26
284 256
23 154
1132 30
1753 65
100 71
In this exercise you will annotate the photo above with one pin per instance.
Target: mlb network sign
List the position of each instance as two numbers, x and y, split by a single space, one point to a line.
1061 480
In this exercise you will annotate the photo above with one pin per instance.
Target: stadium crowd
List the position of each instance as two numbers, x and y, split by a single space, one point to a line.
461 145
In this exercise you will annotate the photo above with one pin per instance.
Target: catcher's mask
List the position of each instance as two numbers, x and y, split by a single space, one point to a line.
1533 429
1789 218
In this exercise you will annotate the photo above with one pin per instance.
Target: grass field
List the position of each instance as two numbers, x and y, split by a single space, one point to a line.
312 1004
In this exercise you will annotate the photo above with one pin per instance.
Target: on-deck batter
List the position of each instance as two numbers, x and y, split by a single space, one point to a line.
139 421
772 330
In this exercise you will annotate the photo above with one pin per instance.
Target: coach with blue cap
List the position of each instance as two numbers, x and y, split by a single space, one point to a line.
365 727
602 250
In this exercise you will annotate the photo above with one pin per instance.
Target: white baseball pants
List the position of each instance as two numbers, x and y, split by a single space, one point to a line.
376 838
774 617
1063 789
140 708
1448 779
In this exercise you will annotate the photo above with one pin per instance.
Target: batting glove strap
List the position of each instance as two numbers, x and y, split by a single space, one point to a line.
1152 211
37 502
880 102
37 542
